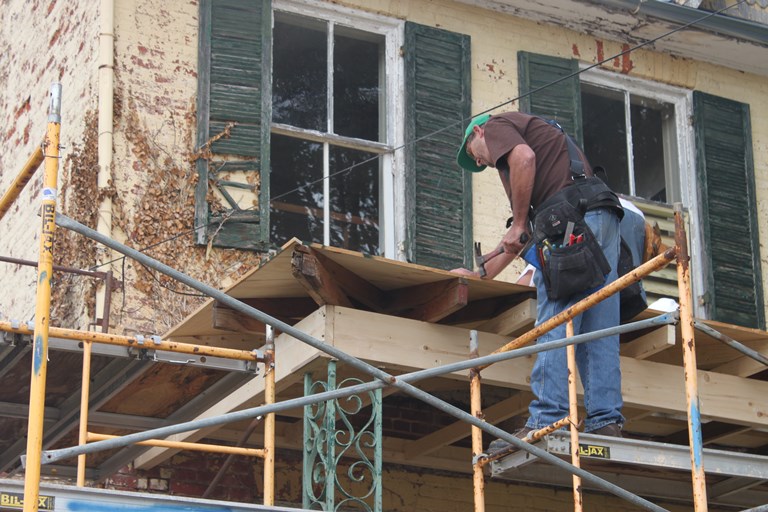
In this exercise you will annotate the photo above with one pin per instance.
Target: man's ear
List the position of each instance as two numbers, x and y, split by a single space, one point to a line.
477 130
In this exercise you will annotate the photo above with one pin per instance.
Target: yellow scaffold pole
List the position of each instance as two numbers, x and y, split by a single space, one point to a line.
43 305
476 407
269 420
689 364
21 181
573 408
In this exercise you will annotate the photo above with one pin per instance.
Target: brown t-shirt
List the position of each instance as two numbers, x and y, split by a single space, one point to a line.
503 132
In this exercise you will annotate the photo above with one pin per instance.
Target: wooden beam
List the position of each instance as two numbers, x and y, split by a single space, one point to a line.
731 486
293 357
479 311
711 433
512 321
399 344
652 343
383 340
415 296
355 286
439 300
288 309
500 411
228 319
726 434
316 280
745 366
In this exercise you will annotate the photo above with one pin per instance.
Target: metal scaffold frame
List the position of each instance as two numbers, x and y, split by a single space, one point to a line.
402 382
49 153
35 456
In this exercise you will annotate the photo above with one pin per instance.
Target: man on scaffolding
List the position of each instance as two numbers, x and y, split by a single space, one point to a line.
573 220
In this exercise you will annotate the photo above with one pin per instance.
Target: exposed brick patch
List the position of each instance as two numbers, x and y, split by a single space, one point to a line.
9 133
626 60
55 37
187 488
124 482
136 61
23 109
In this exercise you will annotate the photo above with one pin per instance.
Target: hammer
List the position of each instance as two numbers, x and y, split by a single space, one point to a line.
481 259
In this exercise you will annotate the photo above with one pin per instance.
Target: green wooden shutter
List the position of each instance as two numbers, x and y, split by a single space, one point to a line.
726 181
438 193
546 93
234 86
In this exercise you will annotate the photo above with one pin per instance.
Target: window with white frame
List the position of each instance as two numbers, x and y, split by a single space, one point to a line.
333 127
637 132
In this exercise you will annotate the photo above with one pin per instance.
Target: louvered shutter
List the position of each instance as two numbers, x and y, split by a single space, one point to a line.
233 90
726 181
545 92
438 193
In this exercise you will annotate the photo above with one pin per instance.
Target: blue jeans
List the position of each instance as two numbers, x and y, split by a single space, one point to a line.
597 360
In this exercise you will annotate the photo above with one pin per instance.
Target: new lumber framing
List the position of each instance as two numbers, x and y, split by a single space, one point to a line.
404 345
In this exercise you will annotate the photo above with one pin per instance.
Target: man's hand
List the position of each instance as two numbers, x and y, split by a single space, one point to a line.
465 272
511 241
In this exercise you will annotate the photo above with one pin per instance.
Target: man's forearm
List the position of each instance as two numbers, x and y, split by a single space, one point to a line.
522 172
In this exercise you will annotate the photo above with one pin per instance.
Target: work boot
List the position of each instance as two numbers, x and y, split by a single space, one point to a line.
611 430
499 444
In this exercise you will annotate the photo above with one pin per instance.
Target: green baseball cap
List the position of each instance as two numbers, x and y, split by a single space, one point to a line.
462 158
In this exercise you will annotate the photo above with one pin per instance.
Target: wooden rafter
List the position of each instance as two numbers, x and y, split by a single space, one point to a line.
329 283
745 366
353 285
288 310
230 320
520 317
320 284
458 430
483 309
649 344
431 302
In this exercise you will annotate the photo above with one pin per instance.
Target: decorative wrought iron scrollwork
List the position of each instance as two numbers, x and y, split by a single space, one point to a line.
337 435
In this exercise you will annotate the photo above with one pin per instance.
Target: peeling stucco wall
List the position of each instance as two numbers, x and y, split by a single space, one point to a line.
41 42
153 169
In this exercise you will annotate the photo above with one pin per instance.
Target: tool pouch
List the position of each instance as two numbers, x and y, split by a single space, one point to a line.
568 265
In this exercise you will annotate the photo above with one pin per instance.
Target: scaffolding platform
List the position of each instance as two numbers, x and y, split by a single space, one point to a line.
645 467
66 498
